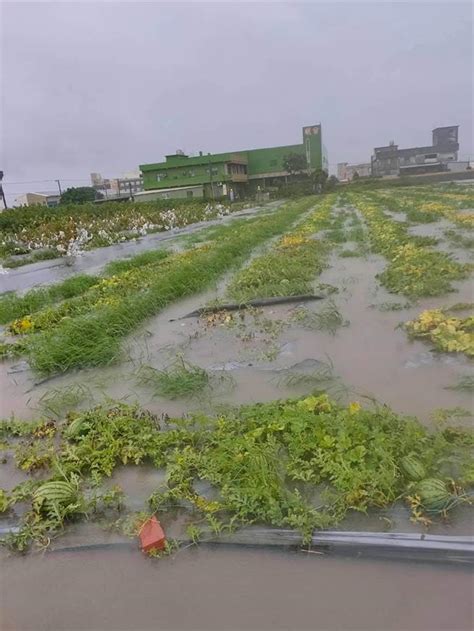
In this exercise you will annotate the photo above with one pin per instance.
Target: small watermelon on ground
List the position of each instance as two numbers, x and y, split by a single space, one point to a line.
55 493
434 495
412 467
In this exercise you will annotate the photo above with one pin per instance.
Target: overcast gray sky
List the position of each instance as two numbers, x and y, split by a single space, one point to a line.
105 86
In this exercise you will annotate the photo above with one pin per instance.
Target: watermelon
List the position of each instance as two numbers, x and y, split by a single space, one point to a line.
55 493
412 467
434 495
75 428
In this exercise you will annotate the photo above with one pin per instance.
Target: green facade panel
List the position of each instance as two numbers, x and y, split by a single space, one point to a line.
270 160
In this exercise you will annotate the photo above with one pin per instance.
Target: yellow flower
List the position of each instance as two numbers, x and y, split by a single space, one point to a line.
23 325
354 407
319 403
292 241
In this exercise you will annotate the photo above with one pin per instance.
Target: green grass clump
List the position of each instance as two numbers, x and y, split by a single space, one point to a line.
9 350
460 239
146 258
465 383
345 254
392 306
58 401
14 306
328 319
356 234
336 236
95 337
181 380
34 257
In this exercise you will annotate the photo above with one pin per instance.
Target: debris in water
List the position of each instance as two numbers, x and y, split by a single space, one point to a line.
152 536
20 367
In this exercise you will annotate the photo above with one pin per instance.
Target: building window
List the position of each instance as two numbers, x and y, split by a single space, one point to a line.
430 156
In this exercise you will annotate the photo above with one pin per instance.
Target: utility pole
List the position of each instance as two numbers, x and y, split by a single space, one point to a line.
1 191
59 186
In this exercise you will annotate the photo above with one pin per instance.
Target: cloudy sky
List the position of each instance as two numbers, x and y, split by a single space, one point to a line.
105 86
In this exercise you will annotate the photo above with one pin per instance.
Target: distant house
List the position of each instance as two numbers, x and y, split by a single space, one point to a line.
125 186
346 172
392 161
44 198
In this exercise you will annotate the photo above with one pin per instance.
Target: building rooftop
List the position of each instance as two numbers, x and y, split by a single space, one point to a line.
44 193
175 160
445 127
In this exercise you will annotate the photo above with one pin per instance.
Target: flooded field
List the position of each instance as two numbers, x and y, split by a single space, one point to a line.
255 354
92 261
344 347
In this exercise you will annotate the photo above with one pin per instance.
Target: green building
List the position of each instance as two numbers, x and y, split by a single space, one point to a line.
234 174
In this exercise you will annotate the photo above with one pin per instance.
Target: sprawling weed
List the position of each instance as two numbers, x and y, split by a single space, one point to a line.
146 258
180 380
328 319
465 383
460 239
58 401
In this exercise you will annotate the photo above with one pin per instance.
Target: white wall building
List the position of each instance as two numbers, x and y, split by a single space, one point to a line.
44 198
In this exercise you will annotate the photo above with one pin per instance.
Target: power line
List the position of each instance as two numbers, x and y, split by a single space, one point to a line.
49 180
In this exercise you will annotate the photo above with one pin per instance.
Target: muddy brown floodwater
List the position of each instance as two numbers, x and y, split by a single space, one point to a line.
219 589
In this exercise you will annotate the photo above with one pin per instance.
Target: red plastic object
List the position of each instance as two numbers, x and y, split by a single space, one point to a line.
152 535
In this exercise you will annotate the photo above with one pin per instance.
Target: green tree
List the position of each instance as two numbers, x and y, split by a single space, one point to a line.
331 183
80 195
319 178
294 163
